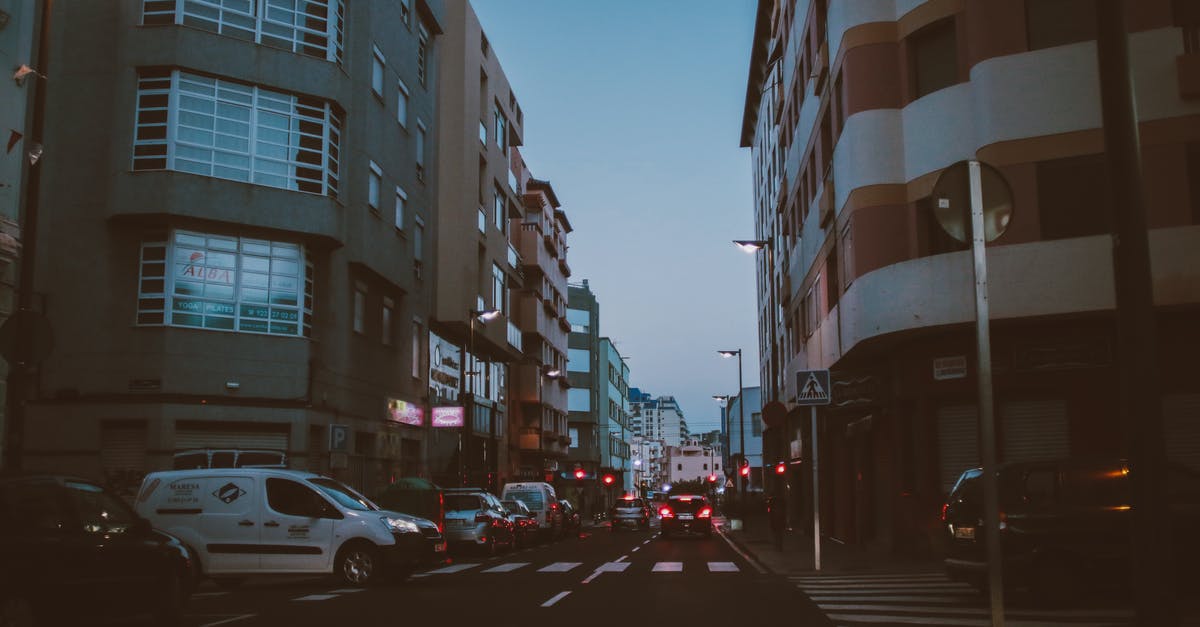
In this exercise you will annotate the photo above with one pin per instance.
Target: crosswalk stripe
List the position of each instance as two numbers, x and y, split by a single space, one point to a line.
613 567
857 619
896 590
316 597
559 567
451 569
899 576
722 567
507 568
912 598
668 567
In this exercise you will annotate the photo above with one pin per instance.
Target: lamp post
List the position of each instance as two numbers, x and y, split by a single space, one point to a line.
741 414
551 373
751 246
485 316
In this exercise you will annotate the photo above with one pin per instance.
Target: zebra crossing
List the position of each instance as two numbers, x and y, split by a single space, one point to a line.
615 567
931 598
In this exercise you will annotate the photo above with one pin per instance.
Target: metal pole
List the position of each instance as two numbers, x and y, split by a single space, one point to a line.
462 431
816 497
987 427
1140 405
742 435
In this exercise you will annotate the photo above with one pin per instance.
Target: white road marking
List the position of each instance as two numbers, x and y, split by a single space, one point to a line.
635 549
556 598
507 568
346 591
316 597
451 569
622 558
668 567
910 620
228 620
921 598
742 553
559 567
722 567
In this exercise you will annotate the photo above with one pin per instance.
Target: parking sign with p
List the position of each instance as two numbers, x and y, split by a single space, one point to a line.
339 438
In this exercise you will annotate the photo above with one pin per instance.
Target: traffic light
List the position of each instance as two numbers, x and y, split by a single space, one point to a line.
580 474
745 470
712 478
780 468
608 479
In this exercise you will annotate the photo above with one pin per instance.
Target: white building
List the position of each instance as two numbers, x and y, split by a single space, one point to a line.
692 461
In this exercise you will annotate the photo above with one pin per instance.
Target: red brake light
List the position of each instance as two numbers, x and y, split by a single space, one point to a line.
705 513
945 506
666 512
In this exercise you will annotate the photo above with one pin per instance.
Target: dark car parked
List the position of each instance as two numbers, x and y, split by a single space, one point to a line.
686 514
1065 525
73 553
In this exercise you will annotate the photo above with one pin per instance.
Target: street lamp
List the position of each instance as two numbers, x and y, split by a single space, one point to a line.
484 316
727 354
723 400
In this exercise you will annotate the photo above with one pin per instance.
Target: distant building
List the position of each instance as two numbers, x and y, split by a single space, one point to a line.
615 432
744 416
692 461
658 418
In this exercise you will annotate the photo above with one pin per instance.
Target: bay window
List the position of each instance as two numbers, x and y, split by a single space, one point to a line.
314 28
224 129
225 283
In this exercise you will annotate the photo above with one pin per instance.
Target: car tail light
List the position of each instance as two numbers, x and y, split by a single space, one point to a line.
705 513
482 516
666 512
945 506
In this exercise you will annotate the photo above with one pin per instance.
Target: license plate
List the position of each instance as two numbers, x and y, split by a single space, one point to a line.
456 523
685 517
964 533
440 547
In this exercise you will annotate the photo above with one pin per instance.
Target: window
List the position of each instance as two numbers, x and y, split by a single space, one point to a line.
705 466
310 27
374 184
416 349
498 292
678 466
579 360
216 127
848 252
99 511
406 12
1050 23
812 316
294 499
832 286
402 103
385 322
573 434
756 425
499 209
360 307
377 63
579 399
225 283
501 125
579 319
423 55
1070 202
933 57
401 200
421 132
418 238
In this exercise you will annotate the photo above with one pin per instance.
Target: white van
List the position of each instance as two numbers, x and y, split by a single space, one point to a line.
249 521
541 500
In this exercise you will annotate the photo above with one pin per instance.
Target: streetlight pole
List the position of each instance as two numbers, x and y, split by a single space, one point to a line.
741 419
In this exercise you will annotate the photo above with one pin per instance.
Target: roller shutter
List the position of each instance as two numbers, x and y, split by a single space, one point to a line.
1181 423
958 442
1034 431
123 447
224 437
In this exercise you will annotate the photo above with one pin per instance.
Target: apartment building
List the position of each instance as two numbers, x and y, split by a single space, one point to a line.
538 399
476 267
613 396
583 367
852 111
744 419
232 235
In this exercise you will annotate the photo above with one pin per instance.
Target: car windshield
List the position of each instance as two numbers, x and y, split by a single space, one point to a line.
462 502
514 506
532 500
344 496
687 504
626 504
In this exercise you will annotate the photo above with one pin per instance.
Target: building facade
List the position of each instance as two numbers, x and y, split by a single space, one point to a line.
615 431
852 111
538 399
743 417
692 461
475 266
238 204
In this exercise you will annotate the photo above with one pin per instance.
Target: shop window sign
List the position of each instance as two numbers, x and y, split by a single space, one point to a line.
405 413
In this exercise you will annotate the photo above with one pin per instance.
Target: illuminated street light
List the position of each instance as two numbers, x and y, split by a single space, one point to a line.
751 246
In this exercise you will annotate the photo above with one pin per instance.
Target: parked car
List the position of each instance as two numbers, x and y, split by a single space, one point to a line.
686 513
73 553
476 518
541 499
525 524
248 521
571 521
630 511
416 497
1065 525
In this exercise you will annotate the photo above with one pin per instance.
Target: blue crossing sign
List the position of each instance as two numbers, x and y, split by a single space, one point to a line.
812 387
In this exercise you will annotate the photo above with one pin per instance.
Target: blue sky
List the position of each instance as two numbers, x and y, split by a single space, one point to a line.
633 110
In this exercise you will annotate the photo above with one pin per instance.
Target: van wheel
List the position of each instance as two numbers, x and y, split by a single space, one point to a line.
1056 580
358 564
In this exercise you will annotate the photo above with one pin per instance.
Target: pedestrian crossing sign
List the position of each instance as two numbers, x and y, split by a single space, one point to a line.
812 387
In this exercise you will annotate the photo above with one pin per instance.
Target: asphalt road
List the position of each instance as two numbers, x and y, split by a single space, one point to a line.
600 578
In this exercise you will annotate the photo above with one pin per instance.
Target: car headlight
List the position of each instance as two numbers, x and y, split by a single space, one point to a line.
398 524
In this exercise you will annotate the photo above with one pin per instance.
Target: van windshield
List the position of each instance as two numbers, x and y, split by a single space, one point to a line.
344 495
531 499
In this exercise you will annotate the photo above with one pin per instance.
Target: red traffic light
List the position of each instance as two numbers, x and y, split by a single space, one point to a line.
780 468
580 474
745 470
608 479
712 478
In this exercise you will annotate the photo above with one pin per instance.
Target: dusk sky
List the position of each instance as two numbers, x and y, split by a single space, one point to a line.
632 111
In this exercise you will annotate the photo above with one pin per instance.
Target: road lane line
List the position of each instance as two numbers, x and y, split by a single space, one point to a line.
622 558
636 549
556 598
559 567
228 620
453 568
507 568
723 567
760 569
668 567
607 567
316 597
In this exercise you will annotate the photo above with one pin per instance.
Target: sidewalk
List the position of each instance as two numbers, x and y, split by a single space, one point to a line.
797 556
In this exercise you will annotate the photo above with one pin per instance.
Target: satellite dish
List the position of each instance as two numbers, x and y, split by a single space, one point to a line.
952 201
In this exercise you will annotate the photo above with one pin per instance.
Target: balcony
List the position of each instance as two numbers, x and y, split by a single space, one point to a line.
530 439
562 265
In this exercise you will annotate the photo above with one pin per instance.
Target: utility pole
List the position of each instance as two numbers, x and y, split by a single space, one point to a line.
1137 340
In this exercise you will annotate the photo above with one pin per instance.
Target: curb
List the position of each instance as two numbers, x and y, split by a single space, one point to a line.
747 551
